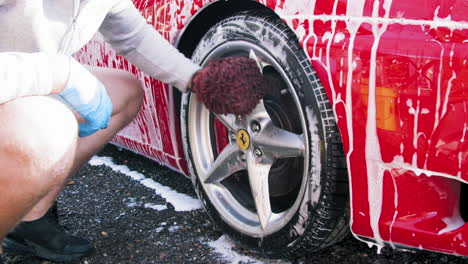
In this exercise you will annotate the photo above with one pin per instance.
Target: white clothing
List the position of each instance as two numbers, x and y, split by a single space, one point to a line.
65 26
40 67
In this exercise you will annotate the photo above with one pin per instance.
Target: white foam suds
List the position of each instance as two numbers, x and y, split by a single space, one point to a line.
328 58
398 163
453 223
132 202
339 37
416 112
462 139
375 171
327 36
174 228
384 20
459 237
158 207
447 94
224 247
311 32
354 8
395 214
180 201
315 165
294 7
437 18
439 88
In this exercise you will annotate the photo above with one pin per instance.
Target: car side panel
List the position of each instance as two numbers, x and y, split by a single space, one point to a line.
155 132
395 72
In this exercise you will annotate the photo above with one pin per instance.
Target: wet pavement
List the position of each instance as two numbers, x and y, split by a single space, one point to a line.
136 211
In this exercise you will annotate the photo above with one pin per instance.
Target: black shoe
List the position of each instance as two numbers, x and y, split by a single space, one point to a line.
44 238
52 214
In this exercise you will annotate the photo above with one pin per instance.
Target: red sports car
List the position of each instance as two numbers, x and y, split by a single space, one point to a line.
363 128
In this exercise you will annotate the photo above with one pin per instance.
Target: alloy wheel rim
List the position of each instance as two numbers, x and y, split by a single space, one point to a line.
254 144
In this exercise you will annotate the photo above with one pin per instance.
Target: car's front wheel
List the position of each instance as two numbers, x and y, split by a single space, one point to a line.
275 180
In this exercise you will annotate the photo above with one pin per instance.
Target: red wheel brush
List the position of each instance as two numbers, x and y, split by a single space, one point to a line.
232 85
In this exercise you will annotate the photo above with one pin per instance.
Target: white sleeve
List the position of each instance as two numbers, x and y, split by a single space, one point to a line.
28 74
129 34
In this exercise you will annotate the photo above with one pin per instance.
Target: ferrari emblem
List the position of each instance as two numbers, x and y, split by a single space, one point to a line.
243 139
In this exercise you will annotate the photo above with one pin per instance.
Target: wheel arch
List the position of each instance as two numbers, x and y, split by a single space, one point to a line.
207 17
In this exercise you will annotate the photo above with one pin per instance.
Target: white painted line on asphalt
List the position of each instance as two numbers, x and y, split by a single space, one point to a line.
180 201
224 246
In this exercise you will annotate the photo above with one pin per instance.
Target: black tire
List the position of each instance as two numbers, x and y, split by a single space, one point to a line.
321 216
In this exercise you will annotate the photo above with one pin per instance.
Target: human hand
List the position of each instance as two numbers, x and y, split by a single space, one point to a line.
87 96
232 85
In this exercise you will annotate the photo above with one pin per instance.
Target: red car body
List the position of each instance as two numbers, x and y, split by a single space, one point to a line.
395 73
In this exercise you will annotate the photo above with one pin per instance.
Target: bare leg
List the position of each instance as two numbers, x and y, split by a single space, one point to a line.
36 154
126 95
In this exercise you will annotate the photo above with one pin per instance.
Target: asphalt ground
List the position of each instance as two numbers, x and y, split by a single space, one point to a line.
131 220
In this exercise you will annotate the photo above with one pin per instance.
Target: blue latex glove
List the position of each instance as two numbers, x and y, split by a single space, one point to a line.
87 95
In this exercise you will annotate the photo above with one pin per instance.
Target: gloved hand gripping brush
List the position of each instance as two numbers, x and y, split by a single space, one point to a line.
232 85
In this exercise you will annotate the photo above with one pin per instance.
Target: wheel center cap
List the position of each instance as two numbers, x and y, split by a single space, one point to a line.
243 139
